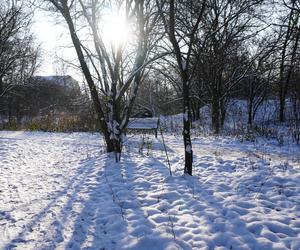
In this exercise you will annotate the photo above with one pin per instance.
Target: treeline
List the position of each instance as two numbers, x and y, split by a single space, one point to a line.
29 102
18 53
242 49
48 103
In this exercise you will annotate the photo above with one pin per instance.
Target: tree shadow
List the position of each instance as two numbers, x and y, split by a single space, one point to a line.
112 217
75 182
135 204
179 194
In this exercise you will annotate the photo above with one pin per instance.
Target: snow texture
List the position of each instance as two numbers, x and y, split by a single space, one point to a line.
188 149
57 191
143 123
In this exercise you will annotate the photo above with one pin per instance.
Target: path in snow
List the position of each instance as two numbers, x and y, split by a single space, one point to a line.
58 192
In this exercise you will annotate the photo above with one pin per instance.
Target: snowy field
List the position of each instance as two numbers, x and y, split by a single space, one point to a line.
59 191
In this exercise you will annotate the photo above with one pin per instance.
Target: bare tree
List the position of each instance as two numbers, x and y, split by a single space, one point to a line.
18 55
290 29
181 21
227 27
112 72
259 80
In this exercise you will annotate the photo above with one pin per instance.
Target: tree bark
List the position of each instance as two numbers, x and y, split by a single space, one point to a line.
250 102
215 114
222 113
188 169
250 112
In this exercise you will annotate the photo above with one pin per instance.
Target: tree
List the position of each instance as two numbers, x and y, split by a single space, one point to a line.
227 27
113 72
18 55
181 21
291 30
156 96
257 86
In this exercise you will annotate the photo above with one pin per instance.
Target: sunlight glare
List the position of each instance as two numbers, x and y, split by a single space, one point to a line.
115 29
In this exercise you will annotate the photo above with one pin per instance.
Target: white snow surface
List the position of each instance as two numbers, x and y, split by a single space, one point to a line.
143 123
60 191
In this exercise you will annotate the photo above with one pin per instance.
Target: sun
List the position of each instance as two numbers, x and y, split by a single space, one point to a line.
115 29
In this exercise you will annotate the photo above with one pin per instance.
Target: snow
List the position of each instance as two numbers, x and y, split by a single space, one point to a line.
143 123
60 191
188 148
237 114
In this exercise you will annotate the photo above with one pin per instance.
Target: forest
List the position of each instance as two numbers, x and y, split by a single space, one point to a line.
165 125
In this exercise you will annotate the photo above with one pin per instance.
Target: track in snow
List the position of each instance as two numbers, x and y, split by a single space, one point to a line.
58 192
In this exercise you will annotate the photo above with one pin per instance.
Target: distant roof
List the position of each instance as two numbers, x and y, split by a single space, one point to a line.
143 123
62 80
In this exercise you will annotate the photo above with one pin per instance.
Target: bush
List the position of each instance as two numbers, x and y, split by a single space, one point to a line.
61 123
11 125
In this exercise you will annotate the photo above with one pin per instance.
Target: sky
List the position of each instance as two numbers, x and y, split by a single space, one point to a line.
54 42
54 38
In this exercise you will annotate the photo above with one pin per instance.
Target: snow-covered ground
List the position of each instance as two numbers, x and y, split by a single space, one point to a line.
236 119
59 191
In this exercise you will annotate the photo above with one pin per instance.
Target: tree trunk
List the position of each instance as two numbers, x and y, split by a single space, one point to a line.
109 146
9 111
197 110
114 121
250 112
222 113
193 111
188 167
1 86
281 109
115 146
250 102
215 115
